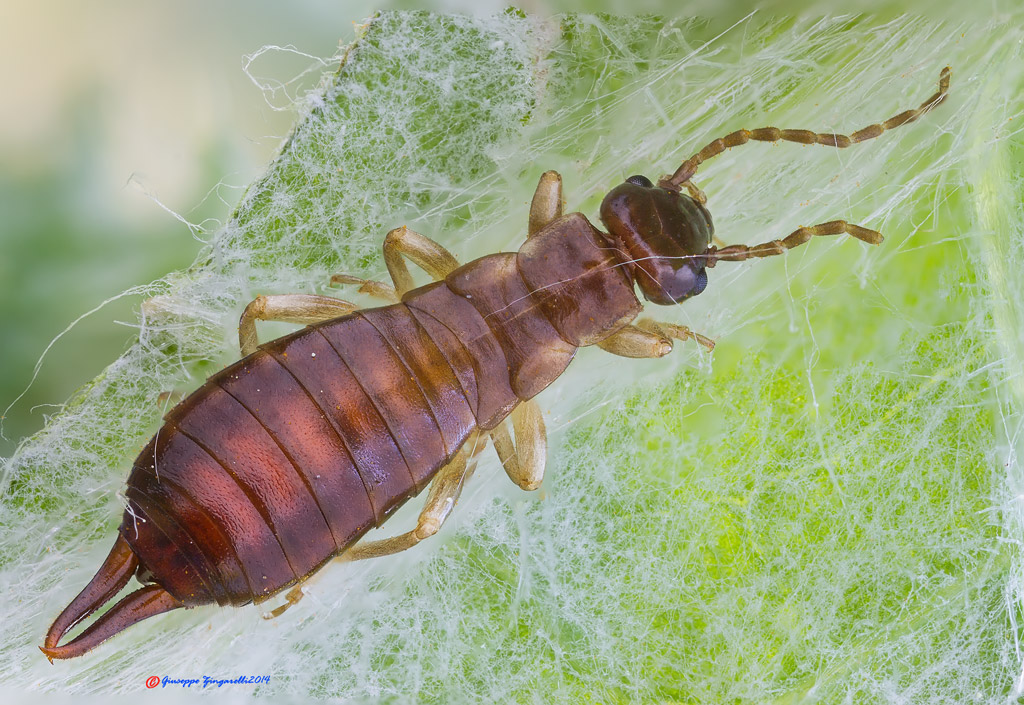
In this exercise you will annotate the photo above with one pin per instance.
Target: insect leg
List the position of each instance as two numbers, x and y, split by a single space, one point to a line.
650 339
293 597
376 289
547 202
695 192
444 493
674 331
422 251
524 461
289 308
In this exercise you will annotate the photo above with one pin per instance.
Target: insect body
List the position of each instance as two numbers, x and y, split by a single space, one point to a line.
285 459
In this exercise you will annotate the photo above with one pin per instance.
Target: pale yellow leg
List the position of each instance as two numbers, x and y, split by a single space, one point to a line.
400 243
633 342
421 251
376 289
650 339
674 331
524 461
289 308
695 192
293 597
444 492
547 202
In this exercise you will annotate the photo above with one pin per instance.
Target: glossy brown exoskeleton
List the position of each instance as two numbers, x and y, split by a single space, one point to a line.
287 458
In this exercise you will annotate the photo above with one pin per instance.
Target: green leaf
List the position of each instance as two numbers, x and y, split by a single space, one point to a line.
824 510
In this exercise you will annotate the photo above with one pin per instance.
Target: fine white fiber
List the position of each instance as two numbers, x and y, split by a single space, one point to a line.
824 509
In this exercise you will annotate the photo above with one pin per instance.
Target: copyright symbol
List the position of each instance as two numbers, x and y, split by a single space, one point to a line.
152 681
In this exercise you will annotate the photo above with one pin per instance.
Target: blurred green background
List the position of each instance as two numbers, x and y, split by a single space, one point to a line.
108 106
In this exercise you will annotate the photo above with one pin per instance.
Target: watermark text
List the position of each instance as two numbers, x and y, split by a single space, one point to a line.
203 681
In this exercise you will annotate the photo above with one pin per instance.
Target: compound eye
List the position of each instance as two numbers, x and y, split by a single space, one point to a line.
639 180
702 282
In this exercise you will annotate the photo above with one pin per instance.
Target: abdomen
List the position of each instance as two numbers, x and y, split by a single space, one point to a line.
289 456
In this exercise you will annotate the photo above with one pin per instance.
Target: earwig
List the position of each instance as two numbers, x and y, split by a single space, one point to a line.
284 460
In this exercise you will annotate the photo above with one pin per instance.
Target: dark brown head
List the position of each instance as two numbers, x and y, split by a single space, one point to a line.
665 235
